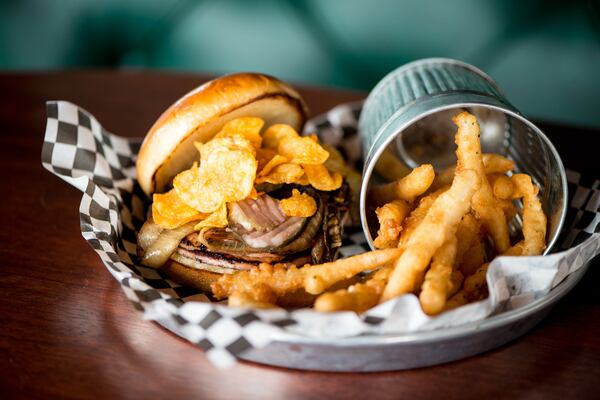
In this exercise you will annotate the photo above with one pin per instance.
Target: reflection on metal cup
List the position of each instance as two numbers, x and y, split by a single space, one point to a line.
408 116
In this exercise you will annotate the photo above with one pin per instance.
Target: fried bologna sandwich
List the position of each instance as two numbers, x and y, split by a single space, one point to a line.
233 184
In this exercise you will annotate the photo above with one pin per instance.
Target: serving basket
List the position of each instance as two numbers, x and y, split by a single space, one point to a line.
394 335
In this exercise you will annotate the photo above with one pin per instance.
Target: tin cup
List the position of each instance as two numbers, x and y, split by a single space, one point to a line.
408 117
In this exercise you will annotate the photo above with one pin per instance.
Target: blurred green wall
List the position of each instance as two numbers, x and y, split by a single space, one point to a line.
544 54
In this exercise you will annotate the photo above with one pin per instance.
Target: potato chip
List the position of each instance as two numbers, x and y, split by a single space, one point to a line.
298 205
224 175
303 180
275 133
230 143
217 219
246 127
283 173
263 156
274 162
302 150
170 212
319 177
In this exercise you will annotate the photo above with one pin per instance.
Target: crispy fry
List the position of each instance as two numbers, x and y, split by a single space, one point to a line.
475 286
492 164
437 282
358 297
390 216
459 299
456 281
496 164
407 188
472 258
467 232
261 296
484 204
319 278
390 167
502 187
281 279
534 219
438 225
508 208
416 217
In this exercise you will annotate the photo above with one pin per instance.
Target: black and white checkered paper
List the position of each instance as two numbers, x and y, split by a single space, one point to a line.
102 165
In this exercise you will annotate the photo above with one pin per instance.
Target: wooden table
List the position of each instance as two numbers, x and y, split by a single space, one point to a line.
67 330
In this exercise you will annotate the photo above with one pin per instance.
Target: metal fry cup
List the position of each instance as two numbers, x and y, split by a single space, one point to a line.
408 117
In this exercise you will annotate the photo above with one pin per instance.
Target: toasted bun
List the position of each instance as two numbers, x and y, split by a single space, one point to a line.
196 278
168 147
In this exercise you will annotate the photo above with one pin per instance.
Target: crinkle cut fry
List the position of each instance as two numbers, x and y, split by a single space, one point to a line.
484 203
440 222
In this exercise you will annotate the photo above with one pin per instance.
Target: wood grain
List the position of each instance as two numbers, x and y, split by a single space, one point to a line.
68 331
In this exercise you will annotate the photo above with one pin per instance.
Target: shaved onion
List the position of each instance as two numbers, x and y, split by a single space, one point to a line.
149 233
157 253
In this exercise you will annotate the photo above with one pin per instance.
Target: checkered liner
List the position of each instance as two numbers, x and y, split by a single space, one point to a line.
102 165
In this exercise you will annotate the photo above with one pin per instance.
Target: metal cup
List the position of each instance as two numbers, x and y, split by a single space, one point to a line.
409 115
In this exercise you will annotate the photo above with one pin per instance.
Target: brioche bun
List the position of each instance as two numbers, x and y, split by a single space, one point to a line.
197 278
168 147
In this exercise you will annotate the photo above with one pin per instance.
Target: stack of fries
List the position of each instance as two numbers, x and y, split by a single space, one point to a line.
437 235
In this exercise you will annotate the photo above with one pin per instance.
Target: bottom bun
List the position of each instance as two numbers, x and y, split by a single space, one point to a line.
196 278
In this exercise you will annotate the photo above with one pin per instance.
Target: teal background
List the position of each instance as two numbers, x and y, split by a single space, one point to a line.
544 54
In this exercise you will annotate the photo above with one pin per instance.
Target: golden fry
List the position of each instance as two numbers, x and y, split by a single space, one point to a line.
416 217
390 217
484 204
358 297
467 232
456 281
472 258
496 164
407 188
459 299
319 278
475 286
438 225
534 219
437 282
502 186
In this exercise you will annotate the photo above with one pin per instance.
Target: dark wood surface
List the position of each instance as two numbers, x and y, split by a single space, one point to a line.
67 330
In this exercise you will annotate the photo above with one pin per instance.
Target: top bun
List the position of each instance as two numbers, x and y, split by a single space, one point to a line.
169 145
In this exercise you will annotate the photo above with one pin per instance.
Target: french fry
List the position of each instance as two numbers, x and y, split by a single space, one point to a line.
456 281
319 278
459 299
475 286
407 188
472 258
390 167
390 216
492 164
437 282
508 208
438 225
467 232
252 299
416 217
484 204
496 164
534 219
358 297
502 186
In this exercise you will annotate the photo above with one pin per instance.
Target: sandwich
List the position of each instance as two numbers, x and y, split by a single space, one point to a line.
234 184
